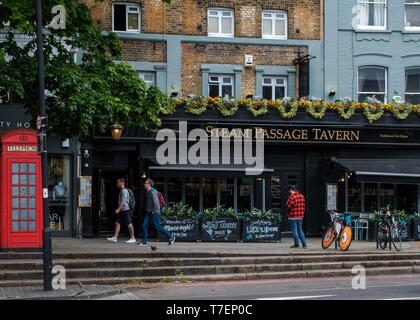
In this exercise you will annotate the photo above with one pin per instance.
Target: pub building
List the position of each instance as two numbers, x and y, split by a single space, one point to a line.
355 167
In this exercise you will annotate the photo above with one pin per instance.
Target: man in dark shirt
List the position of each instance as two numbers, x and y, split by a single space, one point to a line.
296 206
153 214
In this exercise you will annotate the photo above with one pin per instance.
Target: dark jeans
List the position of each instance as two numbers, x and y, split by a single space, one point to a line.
296 226
155 219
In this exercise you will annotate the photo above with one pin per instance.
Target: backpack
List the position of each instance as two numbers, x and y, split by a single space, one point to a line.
161 199
132 200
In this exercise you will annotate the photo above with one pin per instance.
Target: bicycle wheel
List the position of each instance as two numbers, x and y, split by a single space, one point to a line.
382 235
345 238
396 237
328 238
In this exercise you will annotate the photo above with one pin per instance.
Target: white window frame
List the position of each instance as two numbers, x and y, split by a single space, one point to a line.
274 84
220 83
373 93
128 6
411 93
219 17
405 16
148 83
273 24
384 27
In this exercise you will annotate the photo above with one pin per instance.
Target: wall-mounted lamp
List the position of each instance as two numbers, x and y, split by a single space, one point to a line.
116 131
86 154
332 92
144 175
174 94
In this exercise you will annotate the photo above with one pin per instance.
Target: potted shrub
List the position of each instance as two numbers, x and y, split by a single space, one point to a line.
260 225
220 224
404 223
181 220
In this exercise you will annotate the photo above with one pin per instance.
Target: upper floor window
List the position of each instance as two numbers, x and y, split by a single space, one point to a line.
148 78
274 87
220 86
371 14
220 23
412 85
372 81
126 17
412 14
274 25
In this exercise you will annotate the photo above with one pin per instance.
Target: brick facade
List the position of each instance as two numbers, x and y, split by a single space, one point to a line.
150 51
189 17
194 56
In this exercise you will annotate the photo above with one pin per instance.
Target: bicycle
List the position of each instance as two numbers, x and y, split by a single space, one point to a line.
388 232
339 230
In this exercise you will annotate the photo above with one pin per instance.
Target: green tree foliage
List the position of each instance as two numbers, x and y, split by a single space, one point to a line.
95 92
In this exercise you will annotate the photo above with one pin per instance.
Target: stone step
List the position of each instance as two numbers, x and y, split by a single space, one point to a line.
222 277
203 270
28 264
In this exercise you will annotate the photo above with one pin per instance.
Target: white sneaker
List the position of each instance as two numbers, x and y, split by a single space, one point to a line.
143 244
112 239
172 241
131 241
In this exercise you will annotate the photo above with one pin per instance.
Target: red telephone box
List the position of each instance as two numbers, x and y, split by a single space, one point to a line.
20 190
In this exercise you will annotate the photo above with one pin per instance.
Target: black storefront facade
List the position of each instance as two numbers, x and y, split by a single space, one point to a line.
337 164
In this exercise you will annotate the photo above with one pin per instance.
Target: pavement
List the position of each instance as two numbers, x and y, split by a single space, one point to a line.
74 292
101 245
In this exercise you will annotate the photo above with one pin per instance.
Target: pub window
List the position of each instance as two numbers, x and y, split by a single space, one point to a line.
209 193
412 14
371 14
59 192
274 87
220 23
372 82
192 192
149 78
227 191
274 25
354 195
244 194
221 86
174 186
126 17
387 195
371 197
412 85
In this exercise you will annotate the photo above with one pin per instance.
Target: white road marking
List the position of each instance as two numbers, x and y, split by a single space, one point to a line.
297 298
411 298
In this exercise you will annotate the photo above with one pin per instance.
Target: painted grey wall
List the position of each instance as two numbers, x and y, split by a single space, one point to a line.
346 49
174 48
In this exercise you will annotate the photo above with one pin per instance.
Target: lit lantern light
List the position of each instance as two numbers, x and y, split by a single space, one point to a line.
116 131
144 175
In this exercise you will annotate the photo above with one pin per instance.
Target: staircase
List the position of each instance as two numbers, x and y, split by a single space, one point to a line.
21 269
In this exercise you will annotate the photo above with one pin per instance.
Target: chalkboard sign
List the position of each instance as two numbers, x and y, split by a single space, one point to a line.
405 232
260 230
221 230
416 229
182 229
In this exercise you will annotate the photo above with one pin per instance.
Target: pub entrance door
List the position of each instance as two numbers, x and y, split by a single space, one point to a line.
280 181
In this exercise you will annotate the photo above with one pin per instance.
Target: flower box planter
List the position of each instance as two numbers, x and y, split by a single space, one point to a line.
221 229
260 230
185 229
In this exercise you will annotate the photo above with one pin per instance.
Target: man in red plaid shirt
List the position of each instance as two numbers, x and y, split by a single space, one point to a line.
296 206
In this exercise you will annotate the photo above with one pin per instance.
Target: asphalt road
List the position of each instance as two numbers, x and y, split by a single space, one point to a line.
377 288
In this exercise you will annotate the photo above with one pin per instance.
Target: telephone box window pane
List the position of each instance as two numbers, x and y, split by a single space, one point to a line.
15 167
23 179
32 167
15 203
15 226
24 214
32 203
32 226
23 226
15 191
23 202
32 179
15 214
32 191
23 191
23 167
32 214
15 179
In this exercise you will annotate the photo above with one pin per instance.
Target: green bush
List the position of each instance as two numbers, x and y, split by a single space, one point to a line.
179 211
219 212
257 214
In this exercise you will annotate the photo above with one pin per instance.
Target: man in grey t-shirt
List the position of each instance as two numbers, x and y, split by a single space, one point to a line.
123 213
